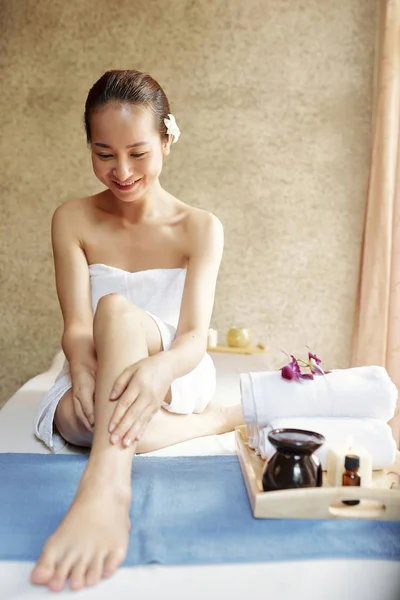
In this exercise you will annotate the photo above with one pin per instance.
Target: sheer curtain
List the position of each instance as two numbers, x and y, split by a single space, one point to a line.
376 338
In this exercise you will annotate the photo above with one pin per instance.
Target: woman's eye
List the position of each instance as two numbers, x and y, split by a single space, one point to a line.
105 156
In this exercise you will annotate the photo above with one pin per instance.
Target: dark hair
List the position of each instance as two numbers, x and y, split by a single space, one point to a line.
127 87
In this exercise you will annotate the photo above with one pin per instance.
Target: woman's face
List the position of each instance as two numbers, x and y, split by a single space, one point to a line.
127 151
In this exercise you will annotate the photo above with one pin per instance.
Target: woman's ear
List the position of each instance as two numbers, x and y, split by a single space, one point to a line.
167 144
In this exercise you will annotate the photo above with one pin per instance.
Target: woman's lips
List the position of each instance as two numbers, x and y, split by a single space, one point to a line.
126 187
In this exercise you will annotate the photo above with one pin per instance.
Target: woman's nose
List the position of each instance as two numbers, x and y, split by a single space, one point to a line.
122 171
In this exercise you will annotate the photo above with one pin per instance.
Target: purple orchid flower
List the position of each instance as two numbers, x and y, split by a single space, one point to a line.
293 371
314 357
314 364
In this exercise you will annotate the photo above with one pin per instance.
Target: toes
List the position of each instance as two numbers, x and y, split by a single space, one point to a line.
77 578
42 574
95 570
56 584
44 569
113 561
62 571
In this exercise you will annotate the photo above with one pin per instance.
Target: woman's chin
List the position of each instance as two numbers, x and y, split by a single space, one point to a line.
129 195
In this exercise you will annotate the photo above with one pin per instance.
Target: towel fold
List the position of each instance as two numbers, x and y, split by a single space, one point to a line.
372 434
358 392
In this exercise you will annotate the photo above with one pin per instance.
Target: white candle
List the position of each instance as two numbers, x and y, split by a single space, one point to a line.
335 464
212 339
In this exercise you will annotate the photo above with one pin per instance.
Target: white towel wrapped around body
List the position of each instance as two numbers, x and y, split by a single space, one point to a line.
372 434
357 392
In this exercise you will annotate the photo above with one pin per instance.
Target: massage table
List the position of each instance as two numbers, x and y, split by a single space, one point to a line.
328 579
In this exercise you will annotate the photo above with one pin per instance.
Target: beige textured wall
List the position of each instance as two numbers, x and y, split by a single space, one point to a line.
274 101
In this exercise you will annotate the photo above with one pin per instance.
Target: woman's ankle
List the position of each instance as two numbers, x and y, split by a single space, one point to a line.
114 471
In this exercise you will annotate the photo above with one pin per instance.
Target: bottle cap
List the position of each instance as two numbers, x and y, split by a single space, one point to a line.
351 462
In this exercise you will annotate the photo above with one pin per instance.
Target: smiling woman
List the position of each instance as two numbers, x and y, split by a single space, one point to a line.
123 164
136 271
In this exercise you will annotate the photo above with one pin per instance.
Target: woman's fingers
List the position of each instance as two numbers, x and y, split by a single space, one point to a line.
85 396
121 383
128 398
139 427
80 414
129 419
83 392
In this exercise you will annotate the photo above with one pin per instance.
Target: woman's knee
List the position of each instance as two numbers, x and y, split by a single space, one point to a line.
115 305
114 309
68 425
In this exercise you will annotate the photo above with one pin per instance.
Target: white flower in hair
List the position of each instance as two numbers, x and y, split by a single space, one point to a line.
172 127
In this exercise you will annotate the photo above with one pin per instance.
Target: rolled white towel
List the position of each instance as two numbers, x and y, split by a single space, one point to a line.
356 392
372 434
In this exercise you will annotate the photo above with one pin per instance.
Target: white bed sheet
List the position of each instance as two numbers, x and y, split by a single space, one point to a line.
311 580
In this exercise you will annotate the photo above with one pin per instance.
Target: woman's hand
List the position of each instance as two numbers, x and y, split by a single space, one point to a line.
83 386
140 391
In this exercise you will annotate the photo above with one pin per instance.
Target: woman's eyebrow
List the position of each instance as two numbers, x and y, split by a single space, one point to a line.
101 145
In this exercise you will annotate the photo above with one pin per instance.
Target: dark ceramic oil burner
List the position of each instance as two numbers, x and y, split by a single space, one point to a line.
293 464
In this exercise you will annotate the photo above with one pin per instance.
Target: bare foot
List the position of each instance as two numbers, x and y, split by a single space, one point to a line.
92 540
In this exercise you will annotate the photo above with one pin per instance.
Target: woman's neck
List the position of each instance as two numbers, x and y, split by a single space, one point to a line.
155 203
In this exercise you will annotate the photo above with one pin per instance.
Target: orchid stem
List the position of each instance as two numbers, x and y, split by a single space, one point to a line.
305 364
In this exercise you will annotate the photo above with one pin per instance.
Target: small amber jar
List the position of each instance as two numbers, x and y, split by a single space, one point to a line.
351 477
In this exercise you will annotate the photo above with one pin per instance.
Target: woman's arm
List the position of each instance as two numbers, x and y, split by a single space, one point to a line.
190 345
73 288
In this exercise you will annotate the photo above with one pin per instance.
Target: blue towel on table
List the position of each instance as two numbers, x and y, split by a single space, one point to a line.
185 510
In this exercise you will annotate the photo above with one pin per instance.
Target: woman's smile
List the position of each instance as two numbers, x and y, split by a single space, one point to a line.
128 186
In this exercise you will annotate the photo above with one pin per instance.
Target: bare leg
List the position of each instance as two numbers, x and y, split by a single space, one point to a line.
92 540
165 429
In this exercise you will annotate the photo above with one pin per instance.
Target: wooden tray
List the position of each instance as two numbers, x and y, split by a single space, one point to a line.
376 502
234 350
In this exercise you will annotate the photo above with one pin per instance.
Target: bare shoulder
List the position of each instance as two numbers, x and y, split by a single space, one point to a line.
203 228
73 208
72 215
